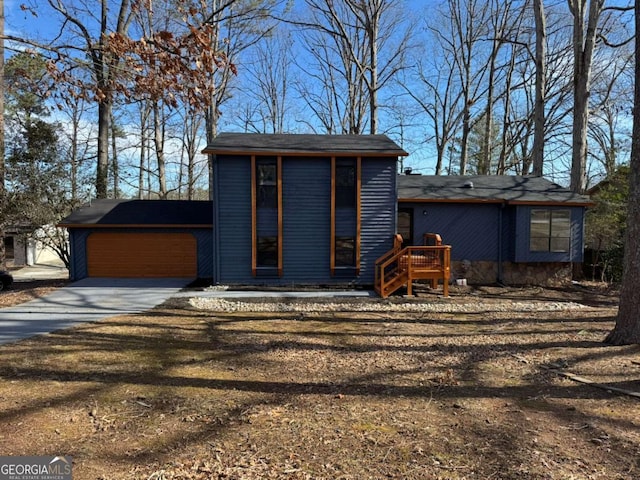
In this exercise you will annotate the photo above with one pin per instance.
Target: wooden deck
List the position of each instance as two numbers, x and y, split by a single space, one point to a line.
399 267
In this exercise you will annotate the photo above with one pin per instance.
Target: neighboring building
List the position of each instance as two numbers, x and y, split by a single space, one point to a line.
321 209
510 229
22 249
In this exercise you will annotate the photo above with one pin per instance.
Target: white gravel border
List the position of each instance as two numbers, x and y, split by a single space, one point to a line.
307 306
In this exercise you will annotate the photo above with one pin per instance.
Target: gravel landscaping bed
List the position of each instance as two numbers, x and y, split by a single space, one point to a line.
368 305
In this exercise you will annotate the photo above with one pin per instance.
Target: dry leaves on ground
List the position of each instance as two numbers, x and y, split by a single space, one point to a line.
188 393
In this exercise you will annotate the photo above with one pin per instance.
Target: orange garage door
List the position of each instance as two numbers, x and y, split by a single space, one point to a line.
142 255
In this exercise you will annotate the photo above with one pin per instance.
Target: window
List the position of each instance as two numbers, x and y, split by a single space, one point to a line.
8 248
267 192
346 184
267 252
550 230
345 216
266 215
345 252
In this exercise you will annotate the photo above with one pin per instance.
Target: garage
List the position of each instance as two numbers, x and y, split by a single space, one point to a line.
141 239
133 255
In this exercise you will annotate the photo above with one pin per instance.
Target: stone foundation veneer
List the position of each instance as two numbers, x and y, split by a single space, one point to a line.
545 274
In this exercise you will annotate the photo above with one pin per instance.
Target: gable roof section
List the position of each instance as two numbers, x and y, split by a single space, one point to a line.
486 189
302 144
142 213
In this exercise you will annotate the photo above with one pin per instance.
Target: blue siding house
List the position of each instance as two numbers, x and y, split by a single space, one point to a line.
302 209
321 209
507 229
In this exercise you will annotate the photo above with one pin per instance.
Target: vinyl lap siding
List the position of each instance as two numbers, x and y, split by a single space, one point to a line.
204 238
378 213
78 248
306 184
234 219
306 191
471 230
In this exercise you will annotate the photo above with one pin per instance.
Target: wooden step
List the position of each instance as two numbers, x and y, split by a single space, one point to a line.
397 282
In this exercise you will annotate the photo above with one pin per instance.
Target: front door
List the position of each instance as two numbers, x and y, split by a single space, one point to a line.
405 225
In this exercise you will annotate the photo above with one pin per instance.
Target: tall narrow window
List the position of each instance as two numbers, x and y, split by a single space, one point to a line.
345 252
345 185
345 216
550 230
266 195
267 252
267 191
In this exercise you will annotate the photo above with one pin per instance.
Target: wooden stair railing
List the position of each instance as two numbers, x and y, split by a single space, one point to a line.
401 266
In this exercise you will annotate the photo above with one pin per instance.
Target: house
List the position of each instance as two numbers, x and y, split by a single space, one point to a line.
507 229
302 209
22 247
141 238
291 210
287 210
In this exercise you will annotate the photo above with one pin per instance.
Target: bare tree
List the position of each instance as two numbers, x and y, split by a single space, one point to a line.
504 24
350 36
439 99
541 87
335 88
612 93
79 148
236 26
266 94
103 64
585 29
466 30
2 183
627 327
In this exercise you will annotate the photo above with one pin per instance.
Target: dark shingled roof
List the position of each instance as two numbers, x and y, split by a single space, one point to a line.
293 144
485 188
142 212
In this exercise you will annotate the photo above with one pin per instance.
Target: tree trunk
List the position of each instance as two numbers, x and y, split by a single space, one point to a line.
211 126
579 143
144 142
102 169
464 141
541 67
158 138
484 163
114 158
73 153
583 47
506 136
627 328
373 72
2 188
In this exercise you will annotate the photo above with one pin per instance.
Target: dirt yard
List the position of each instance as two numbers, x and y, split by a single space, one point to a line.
470 387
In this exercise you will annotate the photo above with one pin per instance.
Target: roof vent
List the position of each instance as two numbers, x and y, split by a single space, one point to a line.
408 170
468 184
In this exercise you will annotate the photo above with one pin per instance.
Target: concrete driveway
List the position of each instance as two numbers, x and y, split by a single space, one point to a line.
87 300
